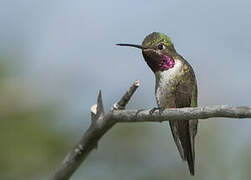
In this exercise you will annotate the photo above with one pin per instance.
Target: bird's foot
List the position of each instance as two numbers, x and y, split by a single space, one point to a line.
140 110
160 109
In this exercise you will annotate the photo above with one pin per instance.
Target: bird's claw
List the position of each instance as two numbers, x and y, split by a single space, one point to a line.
140 110
160 109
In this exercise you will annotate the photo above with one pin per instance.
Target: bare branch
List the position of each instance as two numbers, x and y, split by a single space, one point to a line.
125 99
97 110
216 111
100 108
102 123
99 126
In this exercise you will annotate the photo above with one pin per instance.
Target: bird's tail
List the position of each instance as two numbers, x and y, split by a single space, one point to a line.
187 145
184 141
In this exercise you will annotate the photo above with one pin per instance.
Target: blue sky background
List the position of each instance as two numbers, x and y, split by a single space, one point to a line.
65 51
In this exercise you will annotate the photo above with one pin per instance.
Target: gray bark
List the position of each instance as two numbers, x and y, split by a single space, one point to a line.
102 122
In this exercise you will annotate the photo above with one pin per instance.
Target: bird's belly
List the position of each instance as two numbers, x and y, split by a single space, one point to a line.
165 95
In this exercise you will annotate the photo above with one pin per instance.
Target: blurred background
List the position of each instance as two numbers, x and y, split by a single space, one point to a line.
56 55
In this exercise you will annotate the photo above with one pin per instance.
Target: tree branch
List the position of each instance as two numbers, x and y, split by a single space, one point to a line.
204 112
125 99
101 123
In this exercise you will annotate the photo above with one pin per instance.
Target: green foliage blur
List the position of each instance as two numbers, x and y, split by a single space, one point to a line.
30 146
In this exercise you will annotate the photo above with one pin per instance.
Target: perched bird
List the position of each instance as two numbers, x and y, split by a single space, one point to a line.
175 87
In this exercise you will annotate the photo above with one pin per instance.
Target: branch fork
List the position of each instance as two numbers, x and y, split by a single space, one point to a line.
102 122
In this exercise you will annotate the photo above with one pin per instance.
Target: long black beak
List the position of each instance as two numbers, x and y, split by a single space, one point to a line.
131 45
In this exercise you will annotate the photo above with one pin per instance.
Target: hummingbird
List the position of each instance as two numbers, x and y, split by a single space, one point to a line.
175 87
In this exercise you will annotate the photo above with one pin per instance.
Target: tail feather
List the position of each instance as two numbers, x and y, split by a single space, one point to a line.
190 158
184 141
185 138
176 139
193 131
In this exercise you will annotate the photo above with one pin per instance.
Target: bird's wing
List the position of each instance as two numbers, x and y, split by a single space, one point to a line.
186 96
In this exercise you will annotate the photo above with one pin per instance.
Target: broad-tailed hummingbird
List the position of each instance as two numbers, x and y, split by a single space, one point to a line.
175 87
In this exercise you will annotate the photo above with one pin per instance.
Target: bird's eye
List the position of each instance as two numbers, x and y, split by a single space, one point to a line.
161 46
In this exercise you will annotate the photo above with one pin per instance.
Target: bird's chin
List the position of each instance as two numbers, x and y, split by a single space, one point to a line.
157 61
166 62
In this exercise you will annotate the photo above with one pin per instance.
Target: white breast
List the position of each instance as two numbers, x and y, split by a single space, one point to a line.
163 80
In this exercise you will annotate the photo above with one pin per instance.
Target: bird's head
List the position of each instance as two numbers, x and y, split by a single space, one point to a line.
158 51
